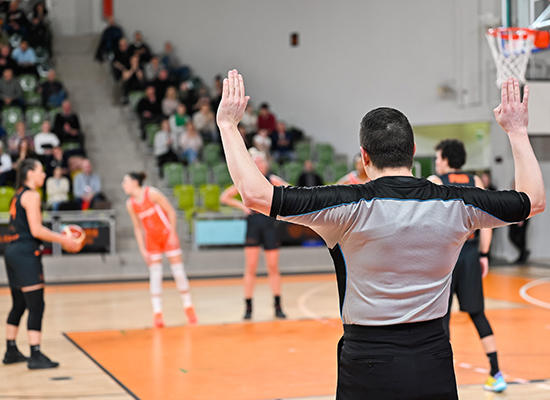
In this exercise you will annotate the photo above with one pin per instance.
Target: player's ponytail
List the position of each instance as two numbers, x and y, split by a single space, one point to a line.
138 176
25 166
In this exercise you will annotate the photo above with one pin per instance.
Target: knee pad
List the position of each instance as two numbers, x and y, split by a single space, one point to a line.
482 325
18 307
155 278
35 304
178 272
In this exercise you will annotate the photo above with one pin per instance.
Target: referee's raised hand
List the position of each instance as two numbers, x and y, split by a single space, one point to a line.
512 113
234 101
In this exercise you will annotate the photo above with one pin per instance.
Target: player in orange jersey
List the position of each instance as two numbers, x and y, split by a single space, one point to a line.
154 221
356 177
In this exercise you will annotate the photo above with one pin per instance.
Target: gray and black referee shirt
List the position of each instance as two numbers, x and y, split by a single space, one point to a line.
395 240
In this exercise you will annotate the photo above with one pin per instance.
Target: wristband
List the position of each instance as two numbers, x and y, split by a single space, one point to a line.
483 254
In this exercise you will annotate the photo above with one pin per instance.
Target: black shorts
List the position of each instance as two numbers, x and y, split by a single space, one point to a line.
406 361
466 281
261 229
24 263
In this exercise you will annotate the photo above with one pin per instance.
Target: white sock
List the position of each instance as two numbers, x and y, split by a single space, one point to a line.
178 272
155 286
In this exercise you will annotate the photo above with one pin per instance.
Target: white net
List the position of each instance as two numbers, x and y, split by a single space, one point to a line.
511 49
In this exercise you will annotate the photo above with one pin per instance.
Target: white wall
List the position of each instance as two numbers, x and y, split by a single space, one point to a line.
73 18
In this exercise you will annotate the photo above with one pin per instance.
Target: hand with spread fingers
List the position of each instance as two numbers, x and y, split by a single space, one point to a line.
234 101
512 113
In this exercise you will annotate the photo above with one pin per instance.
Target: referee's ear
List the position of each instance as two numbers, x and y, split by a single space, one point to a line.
365 157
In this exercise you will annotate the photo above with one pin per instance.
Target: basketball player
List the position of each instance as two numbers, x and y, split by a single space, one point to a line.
473 261
154 221
23 258
356 177
394 242
260 230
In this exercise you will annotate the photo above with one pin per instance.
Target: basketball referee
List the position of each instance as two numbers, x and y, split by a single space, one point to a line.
394 242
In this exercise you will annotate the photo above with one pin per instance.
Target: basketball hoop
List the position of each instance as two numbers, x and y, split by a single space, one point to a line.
511 49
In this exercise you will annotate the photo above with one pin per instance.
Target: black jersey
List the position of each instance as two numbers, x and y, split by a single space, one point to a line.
19 225
458 179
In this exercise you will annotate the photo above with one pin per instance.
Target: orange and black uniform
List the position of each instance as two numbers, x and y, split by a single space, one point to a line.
23 253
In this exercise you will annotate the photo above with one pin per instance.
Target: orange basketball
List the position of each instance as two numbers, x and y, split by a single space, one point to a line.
77 233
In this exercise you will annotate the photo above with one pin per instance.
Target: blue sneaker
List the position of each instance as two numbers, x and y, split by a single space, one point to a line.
495 383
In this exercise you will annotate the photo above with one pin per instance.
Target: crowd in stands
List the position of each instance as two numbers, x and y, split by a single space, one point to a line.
37 116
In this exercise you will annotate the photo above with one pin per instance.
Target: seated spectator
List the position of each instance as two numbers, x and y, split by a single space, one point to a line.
205 122
20 135
139 48
74 164
170 62
187 95
39 35
6 168
87 186
152 69
132 78
40 11
52 91
109 40
149 109
218 88
170 102
121 59
56 160
16 22
26 150
309 177
266 120
282 144
190 144
179 119
165 145
66 122
250 120
162 83
57 189
262 141
6 62
11 93
45 141
247 138
25 57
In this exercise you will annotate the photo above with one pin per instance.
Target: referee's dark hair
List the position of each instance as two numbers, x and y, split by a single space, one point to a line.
387 137
453 150
26 165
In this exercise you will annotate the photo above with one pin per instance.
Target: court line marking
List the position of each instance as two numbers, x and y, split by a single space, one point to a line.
305 310
530 299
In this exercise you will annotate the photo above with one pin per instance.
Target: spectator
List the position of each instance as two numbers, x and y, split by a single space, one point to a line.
6 62
21 134
487 181
205 122
57 189
40 11
309 177
266 120
218 87
66 122
170 102
16 21
162 83
74 164
282 143
190 144
121 59
52 91
250 120
179 120
6 168
170 62
165 145
187 95
45 141
87 186
109 40
56 160
152 69
39 35
139 48
25 57
262 141
132 78
149 109
11 93
26 150
247 138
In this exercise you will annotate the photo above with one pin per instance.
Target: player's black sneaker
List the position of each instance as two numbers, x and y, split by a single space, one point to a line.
279 313
40 361
248 313
12 357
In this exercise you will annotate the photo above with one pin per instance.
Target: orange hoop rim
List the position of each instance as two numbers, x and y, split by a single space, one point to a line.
513 33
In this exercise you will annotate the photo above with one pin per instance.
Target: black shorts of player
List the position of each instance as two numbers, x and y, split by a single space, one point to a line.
411 361
24 263
261 230
466 281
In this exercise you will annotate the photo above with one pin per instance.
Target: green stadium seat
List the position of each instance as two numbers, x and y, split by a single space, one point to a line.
173 173
32 98
303 151
325 153
134 97
150 131
333 172
11 116
34 117
210 197
291 172
211 153
28 82
275 168
53 113
6 194
221 175
198 174
185 196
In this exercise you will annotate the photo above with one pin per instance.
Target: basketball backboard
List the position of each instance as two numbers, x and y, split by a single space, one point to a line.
534 14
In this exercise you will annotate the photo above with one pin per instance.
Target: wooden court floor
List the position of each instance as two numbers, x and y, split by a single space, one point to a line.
102 335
